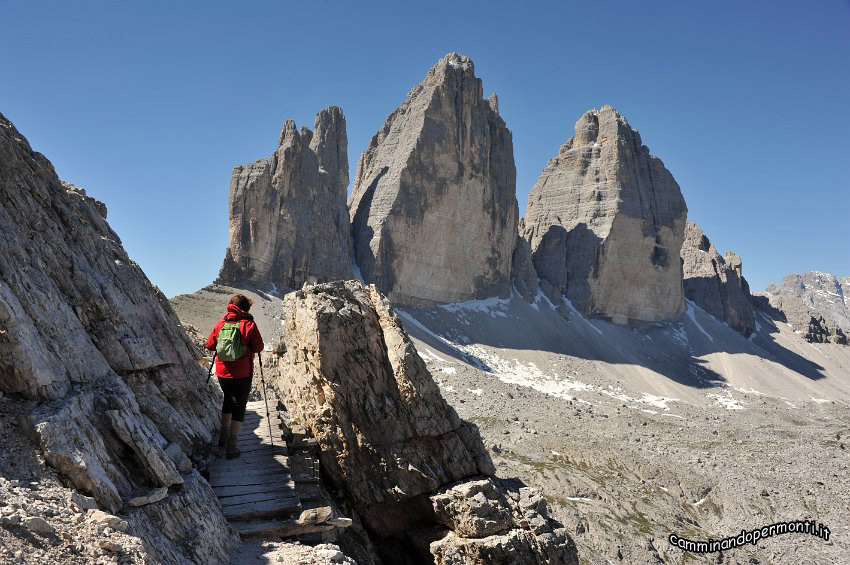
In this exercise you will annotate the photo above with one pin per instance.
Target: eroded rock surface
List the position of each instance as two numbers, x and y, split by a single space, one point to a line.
605 221
415 474
715 283
104 380
288 218
434 210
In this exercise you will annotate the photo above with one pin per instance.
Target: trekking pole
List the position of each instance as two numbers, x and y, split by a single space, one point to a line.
265 398
212 364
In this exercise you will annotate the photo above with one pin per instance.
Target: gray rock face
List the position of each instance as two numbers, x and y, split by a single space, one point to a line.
288 219
390 442
815 304
434 211
716 284
606 220
106 377
523 275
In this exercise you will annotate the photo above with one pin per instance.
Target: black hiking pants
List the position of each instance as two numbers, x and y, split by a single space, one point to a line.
236 393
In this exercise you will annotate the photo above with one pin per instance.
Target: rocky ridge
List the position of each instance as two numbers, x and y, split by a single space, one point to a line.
605 211
288 218
97 369
815 304
350 375
434 210
716 283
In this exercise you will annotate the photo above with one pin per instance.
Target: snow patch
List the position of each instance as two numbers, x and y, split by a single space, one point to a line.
693 318
577 313
726 402
492 306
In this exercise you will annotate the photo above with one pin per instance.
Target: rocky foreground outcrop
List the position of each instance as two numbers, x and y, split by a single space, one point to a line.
97 369
715 283
414 474
605 221
288 218
815 304
434 210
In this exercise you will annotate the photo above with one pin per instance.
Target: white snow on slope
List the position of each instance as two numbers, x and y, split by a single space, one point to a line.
693 318
577 313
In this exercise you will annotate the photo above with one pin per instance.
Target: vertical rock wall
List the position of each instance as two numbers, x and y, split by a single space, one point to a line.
434 211
605 221
288 219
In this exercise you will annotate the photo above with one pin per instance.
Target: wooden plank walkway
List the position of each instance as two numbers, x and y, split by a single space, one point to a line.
258 483
256 490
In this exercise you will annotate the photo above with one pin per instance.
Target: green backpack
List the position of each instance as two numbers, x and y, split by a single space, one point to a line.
229 346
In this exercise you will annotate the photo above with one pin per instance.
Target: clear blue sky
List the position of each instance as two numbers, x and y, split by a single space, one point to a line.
149 105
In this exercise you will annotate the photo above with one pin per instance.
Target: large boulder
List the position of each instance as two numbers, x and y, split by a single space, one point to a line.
434 210
416 475
288 218
102 375
605 221
715 283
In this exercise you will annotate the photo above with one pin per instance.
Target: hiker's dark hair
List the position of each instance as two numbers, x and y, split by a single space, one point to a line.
241 301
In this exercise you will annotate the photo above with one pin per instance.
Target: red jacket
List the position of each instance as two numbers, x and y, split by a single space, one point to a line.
243 367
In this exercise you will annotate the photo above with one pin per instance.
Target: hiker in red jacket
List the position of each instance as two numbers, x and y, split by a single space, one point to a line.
234 366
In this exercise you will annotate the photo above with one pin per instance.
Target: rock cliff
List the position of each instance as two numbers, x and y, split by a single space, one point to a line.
418 477
815 304
97 369
716 284
288 218
606 220
434 210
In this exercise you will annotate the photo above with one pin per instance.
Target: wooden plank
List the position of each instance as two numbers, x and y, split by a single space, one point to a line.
237 490
259 433
273 469
264 509
278 441
238 499
247 457
276 479
234 480
268 465
266 449
316 520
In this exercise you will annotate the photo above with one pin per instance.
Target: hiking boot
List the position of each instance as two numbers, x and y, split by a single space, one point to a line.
232 451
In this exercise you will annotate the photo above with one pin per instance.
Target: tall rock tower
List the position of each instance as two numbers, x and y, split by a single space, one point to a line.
434 210
606 220
716 283
288 218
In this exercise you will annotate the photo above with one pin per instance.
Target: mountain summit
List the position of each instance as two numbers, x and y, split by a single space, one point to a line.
434 210
606 220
